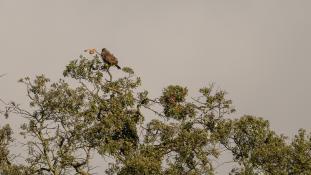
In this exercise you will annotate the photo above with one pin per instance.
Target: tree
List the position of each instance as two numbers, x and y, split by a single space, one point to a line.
68 122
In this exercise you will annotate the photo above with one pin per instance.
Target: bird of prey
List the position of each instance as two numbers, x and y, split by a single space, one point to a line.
109 58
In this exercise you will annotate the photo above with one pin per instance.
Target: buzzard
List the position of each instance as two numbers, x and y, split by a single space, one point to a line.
109 58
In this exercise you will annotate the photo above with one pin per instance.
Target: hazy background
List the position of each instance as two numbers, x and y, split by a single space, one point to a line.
258 51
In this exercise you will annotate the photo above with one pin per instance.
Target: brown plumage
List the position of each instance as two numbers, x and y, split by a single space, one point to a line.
109 58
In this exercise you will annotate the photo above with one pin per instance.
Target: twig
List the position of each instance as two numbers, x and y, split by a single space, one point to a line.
109 75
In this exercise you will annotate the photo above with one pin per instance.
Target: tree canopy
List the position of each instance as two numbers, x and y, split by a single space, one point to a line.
89 111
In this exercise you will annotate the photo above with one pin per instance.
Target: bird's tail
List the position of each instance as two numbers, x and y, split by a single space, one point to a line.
118 66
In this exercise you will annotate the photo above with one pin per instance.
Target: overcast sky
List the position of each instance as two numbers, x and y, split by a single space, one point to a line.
258 51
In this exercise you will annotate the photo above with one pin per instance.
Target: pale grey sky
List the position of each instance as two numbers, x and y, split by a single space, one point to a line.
258 51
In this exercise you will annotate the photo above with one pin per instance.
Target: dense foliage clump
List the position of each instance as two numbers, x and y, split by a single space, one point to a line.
99 113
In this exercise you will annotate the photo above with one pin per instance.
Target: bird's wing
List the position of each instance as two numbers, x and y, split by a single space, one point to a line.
111 59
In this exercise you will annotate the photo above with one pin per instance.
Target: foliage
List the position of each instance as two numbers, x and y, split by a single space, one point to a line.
69 122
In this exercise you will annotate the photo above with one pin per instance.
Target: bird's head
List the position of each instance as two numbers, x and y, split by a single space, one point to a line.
104 50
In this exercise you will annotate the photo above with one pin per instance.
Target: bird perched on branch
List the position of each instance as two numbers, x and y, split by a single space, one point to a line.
109 58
